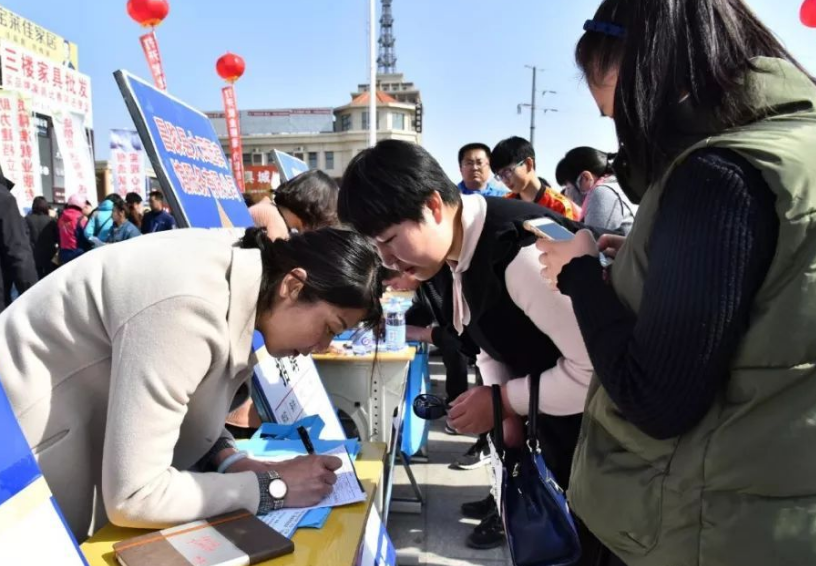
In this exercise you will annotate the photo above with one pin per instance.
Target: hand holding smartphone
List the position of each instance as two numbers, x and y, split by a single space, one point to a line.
549 229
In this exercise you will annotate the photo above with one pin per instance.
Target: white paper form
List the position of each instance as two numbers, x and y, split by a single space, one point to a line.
285 521
347 490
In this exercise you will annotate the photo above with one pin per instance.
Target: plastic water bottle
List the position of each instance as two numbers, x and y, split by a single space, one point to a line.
394 325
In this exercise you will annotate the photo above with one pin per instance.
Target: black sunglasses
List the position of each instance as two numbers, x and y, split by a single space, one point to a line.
429 407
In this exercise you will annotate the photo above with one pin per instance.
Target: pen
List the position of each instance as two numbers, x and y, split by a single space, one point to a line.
304 438
354 471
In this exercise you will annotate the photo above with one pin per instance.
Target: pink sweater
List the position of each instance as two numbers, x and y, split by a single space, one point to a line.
563 387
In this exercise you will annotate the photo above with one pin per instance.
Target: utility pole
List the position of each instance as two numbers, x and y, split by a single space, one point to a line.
533 109
532 104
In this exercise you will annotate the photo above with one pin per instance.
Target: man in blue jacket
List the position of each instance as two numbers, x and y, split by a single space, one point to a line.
158 219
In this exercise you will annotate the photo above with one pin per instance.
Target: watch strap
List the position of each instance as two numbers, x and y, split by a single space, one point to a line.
267 502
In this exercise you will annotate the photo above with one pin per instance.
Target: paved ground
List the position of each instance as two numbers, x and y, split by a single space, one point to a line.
437 536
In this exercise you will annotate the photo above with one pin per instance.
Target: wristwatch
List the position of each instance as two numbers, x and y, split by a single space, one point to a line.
273 491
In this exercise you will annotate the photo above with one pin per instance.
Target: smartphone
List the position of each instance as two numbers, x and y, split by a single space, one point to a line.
549 229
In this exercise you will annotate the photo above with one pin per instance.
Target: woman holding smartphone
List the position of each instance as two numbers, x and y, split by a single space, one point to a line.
697 439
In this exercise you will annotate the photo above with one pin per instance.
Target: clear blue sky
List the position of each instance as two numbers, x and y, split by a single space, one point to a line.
466 56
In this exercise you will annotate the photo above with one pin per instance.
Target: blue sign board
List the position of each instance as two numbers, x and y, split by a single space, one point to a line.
31 514
187 157
288 167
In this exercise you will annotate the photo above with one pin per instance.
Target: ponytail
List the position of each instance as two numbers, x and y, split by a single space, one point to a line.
254 239
581 159
610 164
342 268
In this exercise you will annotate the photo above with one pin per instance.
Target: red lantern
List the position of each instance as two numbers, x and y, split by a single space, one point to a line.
230 67
808 13
148 13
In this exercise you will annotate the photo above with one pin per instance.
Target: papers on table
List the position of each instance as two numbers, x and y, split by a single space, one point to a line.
285 521
346 491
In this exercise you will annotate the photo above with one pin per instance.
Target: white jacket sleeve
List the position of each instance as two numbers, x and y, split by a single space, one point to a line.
563 388
493 372
159 358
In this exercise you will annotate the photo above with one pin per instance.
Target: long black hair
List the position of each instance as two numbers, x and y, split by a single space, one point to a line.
702 48
581 159
342 268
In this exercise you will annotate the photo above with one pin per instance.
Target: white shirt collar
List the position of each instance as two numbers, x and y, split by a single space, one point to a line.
474 212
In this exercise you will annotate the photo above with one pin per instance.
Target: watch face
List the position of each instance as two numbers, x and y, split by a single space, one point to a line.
277 488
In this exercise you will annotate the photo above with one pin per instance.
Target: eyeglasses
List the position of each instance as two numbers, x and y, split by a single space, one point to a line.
504 174
477 164
429 407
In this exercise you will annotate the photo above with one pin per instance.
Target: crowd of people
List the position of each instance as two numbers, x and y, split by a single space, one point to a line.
676 392
47 238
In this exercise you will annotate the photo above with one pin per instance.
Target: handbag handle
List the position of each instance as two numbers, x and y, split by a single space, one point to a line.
498 429
532 414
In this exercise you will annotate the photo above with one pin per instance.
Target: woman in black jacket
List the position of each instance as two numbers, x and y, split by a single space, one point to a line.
44 236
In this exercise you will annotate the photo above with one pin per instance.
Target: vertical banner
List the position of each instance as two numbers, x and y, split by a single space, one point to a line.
80 177
18 156
234 132
150 46
127 163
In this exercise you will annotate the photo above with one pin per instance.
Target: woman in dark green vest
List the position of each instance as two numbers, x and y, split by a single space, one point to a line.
698 446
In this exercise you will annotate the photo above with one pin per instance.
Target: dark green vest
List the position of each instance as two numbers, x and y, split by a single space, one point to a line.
740 488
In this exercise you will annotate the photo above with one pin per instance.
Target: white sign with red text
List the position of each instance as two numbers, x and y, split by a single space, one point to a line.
19 155
127 163
80 177
51 86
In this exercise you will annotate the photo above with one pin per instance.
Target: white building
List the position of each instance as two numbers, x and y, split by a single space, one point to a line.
327 138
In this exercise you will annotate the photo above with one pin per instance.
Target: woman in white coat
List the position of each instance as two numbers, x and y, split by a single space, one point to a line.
122 366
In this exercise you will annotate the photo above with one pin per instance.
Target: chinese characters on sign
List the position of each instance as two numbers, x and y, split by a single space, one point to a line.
150 45
51 86
127 163
234 132
293 390
30 36
80 178
261 179
196 179
19 158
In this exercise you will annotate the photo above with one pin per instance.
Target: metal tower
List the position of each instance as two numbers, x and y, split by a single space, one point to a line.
387 61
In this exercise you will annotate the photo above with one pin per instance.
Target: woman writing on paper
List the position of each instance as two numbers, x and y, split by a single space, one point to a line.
121 377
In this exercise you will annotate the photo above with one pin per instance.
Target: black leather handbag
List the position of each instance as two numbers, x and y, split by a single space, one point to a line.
537 520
